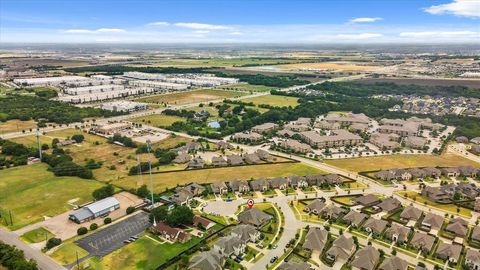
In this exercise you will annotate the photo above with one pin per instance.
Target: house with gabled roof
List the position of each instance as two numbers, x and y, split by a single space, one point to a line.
333 212
397 233
411 213
450 252
422 241
229 245
239 186
472 259
393 263
375 226
246 233
342 249
219 188
208 260
260 185
315 207
354 218
315 239
432 221
367 200
458 227
254 216
389 205
366 259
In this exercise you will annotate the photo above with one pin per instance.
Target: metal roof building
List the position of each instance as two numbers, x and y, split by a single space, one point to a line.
95 210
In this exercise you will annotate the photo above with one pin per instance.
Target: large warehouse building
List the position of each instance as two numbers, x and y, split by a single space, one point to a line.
94 210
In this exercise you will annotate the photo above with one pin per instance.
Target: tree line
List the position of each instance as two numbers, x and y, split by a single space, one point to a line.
14 259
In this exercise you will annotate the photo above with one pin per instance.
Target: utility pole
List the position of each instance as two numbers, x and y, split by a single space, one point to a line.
39 146
11 219
150 171
78 266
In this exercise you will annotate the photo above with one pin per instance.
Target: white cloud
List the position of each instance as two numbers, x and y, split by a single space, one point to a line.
366 19
202 32
465 8
158 24
441 34
202 26
100 30
236 33
359 36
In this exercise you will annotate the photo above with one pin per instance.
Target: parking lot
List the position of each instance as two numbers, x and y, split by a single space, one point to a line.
111 238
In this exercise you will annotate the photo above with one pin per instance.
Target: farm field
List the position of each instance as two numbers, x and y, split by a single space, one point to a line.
247 87
400 161
142 254
31 192
332 65
157 120
202 95
164 180
16 126
272 100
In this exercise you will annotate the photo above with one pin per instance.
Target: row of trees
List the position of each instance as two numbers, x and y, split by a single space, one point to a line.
26 107
179 216
14 259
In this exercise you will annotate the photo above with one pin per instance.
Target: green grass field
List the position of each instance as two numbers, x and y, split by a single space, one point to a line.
202 95
144 253
31 192
157 120
272 100
67 253
171 142
47 138
399 161
37 235
164 180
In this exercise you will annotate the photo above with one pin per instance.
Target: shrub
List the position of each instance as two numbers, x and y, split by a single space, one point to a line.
93 226
130 210
53 242
82 231
107 220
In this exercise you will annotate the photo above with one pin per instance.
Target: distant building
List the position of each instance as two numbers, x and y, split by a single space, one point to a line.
95 209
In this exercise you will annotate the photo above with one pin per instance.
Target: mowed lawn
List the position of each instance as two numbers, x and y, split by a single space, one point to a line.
31 193
16 126
202 95
144 253
172 179
273 100
400 161
63 134
37 235
158 120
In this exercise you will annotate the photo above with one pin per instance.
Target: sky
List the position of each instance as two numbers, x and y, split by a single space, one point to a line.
240 21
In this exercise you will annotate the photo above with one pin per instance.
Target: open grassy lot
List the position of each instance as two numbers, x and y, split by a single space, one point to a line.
16 126
247 87
67 253
157 120
171 142
399 161
37 235
144 253
31 192
272 100
451 208
47 138
163 180
202 95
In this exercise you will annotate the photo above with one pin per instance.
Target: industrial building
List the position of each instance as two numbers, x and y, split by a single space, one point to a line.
50 81
124 106
94 210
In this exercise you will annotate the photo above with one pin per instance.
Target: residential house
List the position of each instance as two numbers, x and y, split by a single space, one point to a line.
260 185
450 252
196 163
205 223
472 259
476 234
235 160
468 171
458 227
354 218
315 207
264 155
207 260
254 216
264 128
422 241
411 213
170 233
367 200
432 172
366 259
333 179
247 137
393 263
295 146
375 226
239 186
450 172
219 188
246 233
222 145
251 158
219 162
279 183
298 181
432 221
436 194
230 245
415 142
397 233
342 249
389 205
182 158
333 212
315 239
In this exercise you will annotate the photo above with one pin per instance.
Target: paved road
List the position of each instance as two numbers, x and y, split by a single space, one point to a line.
43 261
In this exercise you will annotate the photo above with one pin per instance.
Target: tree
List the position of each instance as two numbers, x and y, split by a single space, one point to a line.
159 213
78 138
53 242
181 215
142 191
130 210
82 231
103 192
93 226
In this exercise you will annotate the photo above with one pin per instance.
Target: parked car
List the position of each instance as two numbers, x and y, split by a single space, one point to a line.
273 259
